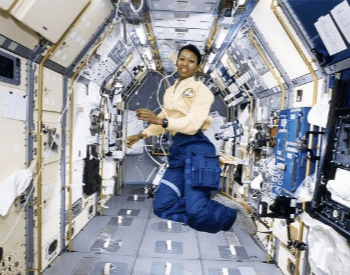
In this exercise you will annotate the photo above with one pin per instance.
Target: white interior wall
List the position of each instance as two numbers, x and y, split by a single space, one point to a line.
13 125
278 40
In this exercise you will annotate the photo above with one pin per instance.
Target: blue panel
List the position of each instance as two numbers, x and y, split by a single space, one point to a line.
281 135
290 156
308 12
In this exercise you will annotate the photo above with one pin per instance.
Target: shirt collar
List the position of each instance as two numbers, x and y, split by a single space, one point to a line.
184 81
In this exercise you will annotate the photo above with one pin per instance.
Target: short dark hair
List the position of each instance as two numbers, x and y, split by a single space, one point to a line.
193 49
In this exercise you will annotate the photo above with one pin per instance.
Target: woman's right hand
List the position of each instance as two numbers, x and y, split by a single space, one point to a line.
131 140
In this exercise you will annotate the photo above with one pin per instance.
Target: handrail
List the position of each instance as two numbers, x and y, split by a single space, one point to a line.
40 153
234 71
39 140
248 95
300 51
267 63
71 126
314 99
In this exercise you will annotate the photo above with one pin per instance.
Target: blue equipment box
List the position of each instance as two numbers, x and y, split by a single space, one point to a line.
291 150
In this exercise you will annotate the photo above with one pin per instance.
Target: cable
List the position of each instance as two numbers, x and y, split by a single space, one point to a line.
139 159
234 11
149 100
163 110
133 8
171 45
160 82
161 107
29 194
121 63
163 75
108 125
104 100
116 6
152 158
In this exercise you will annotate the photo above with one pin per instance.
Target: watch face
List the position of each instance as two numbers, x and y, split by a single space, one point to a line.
165 123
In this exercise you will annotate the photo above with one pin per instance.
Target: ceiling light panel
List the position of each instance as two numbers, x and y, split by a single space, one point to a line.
182 19
166 45
181 34
183 5
181 22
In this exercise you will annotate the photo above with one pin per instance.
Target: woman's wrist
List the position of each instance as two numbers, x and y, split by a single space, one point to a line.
142 135
160 121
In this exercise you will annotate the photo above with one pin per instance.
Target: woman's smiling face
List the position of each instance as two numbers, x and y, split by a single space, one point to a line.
186 64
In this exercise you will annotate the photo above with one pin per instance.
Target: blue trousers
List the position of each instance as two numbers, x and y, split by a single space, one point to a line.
177 200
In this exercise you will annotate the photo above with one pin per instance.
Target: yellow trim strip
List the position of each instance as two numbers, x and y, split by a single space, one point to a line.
71 126
314 99
267 63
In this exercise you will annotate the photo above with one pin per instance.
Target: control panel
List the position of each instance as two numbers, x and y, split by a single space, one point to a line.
291 149
10 69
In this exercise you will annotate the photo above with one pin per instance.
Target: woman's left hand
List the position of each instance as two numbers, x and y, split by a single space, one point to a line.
149 116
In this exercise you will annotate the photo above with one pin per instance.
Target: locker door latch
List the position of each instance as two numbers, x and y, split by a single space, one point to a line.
309 156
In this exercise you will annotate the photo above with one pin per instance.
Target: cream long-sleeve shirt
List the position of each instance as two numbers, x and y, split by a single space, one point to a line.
186 106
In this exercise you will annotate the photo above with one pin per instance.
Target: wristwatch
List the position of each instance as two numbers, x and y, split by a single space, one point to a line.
165 123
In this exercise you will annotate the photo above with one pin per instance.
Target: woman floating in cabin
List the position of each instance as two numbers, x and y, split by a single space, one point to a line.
184 194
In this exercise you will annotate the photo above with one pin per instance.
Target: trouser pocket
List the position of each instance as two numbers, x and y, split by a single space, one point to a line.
205 172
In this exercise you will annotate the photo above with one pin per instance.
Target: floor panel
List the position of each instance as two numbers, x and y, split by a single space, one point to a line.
129 239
